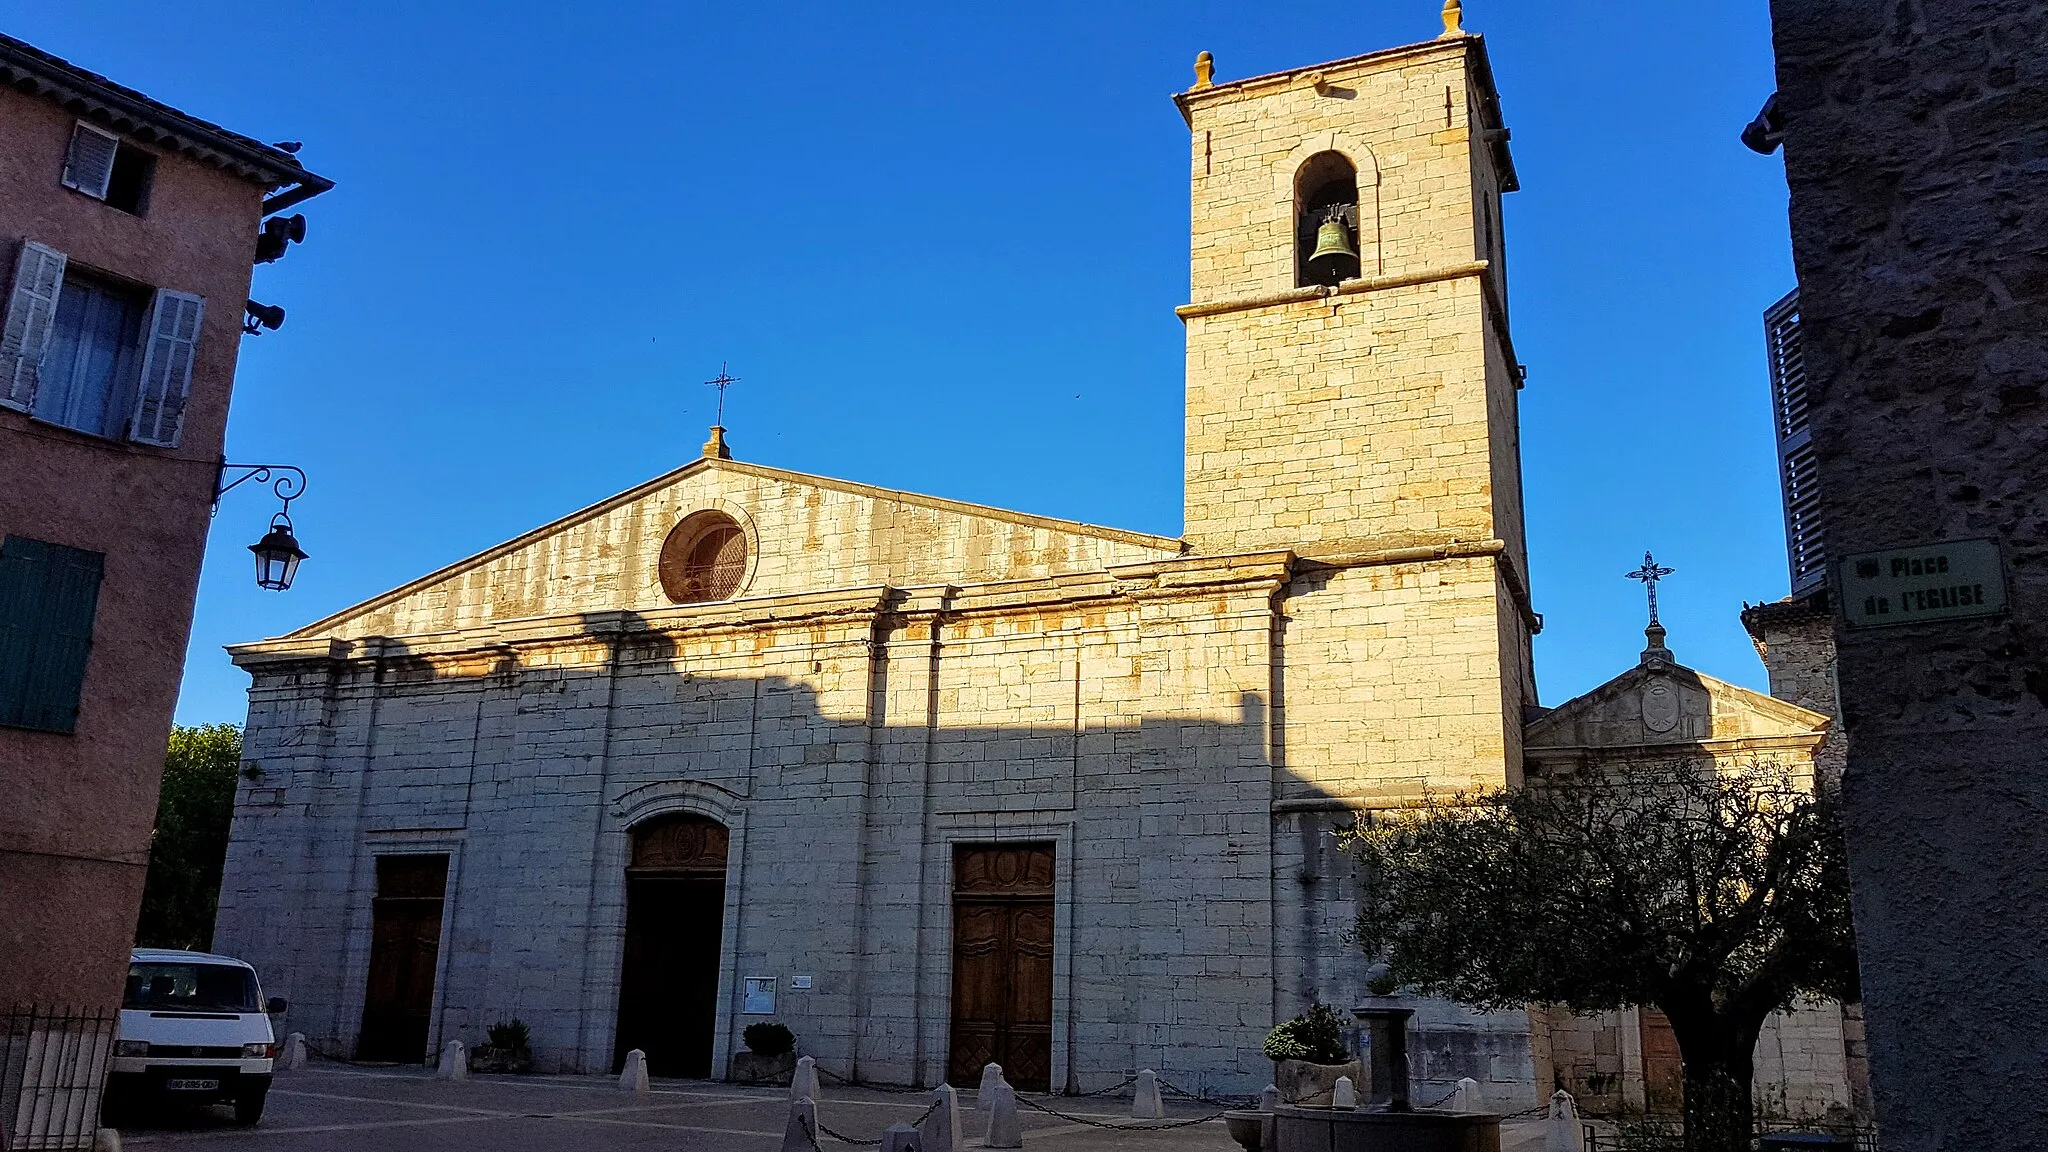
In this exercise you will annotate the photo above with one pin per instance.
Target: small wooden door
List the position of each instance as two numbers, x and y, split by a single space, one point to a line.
675 913
1663 1068
405 943
1002 963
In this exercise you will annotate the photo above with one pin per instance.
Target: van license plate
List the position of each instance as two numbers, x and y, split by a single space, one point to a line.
192 1085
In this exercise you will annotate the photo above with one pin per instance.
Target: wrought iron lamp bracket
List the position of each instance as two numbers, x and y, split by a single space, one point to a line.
289 484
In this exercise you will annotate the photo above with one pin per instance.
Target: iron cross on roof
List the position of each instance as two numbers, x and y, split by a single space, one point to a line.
1649 574
723 381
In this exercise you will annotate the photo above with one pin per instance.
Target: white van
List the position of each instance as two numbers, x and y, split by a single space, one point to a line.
194 1028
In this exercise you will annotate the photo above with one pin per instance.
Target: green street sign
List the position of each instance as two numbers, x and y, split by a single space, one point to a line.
1951 580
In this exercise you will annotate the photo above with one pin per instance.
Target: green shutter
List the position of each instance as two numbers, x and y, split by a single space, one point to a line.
48 595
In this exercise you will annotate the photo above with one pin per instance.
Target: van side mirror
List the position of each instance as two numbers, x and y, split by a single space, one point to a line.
276 1005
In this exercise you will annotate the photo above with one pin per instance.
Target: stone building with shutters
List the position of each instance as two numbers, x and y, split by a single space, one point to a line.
934 783
128 232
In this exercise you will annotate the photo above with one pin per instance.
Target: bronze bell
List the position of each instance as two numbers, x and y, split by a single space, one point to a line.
1335 258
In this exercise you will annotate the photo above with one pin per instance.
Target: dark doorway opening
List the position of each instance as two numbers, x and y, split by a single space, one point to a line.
1002 963
405 943
675 914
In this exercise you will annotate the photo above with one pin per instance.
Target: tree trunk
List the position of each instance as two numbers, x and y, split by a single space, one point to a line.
1717 1107
1719 1055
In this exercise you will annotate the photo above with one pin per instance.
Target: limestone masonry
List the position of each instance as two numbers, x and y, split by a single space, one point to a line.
933 783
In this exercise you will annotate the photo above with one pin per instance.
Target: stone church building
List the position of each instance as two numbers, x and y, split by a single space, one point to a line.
932 783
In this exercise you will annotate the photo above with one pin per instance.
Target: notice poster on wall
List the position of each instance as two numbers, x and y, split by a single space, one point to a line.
759 999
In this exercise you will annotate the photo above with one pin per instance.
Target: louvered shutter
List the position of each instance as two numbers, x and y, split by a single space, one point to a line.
1797 462
89 166
167 368
31 309
48 597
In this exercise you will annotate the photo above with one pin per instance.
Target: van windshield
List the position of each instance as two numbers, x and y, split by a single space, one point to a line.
192 988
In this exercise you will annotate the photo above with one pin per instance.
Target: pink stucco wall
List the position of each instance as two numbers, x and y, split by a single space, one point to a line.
75 825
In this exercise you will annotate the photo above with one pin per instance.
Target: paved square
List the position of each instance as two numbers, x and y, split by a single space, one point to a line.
344 1109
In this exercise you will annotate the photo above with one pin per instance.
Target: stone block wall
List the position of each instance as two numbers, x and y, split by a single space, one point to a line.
1914 137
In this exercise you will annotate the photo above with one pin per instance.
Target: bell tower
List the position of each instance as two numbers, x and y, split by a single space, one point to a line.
1350 380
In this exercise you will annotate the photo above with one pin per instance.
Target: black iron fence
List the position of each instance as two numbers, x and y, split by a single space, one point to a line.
1638 1137
52 1066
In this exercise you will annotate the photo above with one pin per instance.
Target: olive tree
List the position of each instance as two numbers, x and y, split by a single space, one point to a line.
1717 896
189 846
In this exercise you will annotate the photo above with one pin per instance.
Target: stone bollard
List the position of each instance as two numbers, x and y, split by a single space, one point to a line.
293 1057
1345 1094
1270 1100
799 1134
1000 1102
1561 1130
900 1137
991 1075
1465 1097
454 1062
940 1131
633 1077
106 1140
803 1085
1145 1101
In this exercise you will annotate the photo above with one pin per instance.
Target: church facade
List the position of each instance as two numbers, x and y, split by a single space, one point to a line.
935 784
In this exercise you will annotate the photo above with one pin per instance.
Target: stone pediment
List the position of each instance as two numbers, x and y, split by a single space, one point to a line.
802 534
1662 703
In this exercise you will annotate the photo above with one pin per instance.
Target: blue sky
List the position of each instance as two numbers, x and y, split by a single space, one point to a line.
941 244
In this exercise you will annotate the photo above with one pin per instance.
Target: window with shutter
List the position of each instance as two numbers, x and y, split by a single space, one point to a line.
167 368
89 165
1797 462
31 309
48 596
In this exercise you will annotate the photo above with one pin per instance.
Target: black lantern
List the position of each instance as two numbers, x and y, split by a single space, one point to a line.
277 555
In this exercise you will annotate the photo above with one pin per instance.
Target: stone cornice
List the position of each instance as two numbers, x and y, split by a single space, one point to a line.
1201 308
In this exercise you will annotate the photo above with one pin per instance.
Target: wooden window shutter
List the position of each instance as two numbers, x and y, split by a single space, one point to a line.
48 597
1798 464
31 310
89 165
167 368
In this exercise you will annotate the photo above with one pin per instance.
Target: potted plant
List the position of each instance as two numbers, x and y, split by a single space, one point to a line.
1308 1056
770 1057
507 1050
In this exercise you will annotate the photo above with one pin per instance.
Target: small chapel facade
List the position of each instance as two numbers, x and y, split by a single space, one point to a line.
935 784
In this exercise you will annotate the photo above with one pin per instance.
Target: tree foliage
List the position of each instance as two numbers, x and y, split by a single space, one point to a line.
190 843
1717 897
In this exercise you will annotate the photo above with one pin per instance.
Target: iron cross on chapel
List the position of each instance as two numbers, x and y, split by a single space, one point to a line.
715 447
1649 574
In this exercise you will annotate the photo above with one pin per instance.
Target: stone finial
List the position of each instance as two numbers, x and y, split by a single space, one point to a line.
803 1083
1205 70
800 1131
633 1077
1561 1129
1654 648
1145 1101
940 1131
715 448
991 1075
1454 18
1003 1130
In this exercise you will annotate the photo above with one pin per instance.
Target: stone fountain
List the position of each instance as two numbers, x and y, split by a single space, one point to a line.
1386 1120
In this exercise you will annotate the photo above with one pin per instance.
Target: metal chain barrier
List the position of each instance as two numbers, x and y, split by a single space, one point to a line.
1224 1101
1120 1127
843 1138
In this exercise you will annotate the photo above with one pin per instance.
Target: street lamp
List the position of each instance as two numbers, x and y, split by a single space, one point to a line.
278 553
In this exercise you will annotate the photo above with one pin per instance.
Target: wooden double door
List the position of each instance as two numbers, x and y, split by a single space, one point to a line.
1002 963
405 948
675 916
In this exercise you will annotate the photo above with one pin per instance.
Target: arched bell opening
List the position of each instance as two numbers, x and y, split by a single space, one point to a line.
675 919
1326 220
